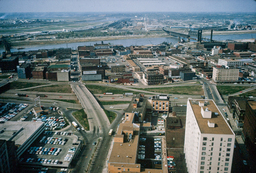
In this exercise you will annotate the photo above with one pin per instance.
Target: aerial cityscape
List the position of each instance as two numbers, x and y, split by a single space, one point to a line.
130 86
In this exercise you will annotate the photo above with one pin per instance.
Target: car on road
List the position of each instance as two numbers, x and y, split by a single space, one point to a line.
244 162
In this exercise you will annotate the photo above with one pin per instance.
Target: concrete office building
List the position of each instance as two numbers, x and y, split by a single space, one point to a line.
225 75
234 62
22 133
209 140
8 159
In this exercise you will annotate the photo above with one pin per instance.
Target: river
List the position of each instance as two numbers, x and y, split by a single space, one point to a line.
136 42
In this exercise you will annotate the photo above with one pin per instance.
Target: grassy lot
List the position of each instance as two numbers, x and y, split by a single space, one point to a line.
4 76
190 90
54 88
20 85
81 117
95 89
250 93
113 102
68 101
225 90
111 115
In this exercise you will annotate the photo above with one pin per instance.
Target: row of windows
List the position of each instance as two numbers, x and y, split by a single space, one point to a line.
210 163
210 168
221 139
204 153
212 144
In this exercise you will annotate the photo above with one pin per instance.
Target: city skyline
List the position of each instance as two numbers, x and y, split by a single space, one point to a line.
127 6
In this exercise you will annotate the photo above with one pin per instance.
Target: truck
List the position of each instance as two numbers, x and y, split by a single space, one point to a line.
22 95
74 124
110 132
41 95
128 94
108 93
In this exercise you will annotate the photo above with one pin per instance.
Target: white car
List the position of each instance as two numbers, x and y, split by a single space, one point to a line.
244 162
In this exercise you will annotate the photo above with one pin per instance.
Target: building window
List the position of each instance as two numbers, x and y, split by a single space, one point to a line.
227 159
211 153
210 163
210 168
219 154
202 163
226 168
205 138
210 158
212 149
229 145
220 144
201 167
212 143
229 139
218 168
228 149
204 143
203 153
226 164
219 159
202 158
204 148
227 154
218 163
221 139
212 138
119 168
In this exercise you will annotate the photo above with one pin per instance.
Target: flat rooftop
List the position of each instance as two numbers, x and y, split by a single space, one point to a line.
18 132
125 152
252 104
221 126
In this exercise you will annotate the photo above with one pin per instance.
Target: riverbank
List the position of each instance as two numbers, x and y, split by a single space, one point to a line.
229 32
29 43
77 40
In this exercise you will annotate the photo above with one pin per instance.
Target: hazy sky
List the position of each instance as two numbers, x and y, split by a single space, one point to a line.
127 6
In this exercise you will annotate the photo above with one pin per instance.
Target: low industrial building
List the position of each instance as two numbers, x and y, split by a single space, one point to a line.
125 155
153 78
24 71
187 75
9 64
39 72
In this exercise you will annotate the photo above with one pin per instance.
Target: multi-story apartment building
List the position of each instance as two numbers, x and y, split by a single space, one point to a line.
160 103
225 75
209 140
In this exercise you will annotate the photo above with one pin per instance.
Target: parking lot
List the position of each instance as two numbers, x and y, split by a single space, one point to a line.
150 152
52 149
10 110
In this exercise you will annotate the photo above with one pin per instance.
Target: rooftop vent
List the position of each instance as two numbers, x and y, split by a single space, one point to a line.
118 155
201 104
211 124
206 113
121 144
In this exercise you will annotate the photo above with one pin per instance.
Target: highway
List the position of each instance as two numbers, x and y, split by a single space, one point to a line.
99 127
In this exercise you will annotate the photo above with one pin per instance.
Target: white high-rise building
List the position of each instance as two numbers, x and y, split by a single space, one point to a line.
209 140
